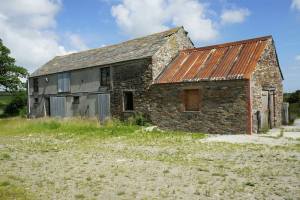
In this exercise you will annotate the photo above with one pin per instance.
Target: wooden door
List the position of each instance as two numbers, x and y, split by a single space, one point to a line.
103 106
265 111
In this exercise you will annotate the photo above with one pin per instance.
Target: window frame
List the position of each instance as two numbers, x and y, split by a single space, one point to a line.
186 100
64 76
36 85
76 100
107 76
124 99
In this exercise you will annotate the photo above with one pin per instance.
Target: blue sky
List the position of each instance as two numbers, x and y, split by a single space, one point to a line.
37 30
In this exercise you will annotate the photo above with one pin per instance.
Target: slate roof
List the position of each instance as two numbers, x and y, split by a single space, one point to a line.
234 60
130 50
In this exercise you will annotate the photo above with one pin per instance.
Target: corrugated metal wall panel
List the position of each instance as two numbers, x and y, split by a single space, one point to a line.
103 106
63 82
57 106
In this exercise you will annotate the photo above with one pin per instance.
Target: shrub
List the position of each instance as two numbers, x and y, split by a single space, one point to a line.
17 105
138 119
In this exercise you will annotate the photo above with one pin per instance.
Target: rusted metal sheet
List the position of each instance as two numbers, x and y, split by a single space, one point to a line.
235 60
212 64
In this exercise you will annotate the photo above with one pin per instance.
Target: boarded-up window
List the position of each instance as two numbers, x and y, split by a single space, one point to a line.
128 101
192 100
105 77
63 82
36 85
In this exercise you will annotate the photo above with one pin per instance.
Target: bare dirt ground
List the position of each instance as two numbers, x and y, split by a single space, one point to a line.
56 167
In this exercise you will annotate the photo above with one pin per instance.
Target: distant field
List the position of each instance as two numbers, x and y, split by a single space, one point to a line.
81 159
4 100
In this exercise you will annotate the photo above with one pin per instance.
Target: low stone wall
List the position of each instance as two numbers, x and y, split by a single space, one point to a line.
223 107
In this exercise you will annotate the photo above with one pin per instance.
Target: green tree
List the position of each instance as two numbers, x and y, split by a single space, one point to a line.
10 73
294 97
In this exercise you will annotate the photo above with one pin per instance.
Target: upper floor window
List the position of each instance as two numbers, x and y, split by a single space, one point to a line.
35 85
63 84
105 77
192 100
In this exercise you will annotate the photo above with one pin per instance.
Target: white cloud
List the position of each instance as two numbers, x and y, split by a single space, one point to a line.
233 16
27 28
76 42
295 5
297 57
143 17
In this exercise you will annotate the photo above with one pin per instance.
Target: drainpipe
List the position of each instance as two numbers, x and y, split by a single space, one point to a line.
28 98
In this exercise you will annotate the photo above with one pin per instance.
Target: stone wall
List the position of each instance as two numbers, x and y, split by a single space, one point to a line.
223 107
169 51
135 76
266 74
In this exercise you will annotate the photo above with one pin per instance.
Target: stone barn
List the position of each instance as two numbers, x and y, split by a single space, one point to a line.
228 88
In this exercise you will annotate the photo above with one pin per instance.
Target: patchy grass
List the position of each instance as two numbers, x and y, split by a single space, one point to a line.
4 156
85 128
81 159
10 190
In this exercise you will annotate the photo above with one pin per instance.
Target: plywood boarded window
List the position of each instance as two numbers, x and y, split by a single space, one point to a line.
192 99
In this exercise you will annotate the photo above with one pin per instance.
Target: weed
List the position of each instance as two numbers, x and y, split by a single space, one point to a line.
250 184
219 174
5 156
202 169
102 176
79 196
4 183
11 191
120 193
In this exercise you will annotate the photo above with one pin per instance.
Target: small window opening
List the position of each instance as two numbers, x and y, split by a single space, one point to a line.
76 100
128 101
192 100
105 77
36 100
36 85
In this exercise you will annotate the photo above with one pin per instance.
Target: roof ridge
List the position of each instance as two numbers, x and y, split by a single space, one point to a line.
226 44
172 31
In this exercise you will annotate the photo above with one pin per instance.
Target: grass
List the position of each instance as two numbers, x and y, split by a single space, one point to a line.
89 128
5 156
10 190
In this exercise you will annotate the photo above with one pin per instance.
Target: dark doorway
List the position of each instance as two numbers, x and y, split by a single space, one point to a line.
47 106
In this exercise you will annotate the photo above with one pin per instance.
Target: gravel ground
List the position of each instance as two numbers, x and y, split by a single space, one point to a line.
50 167
275 137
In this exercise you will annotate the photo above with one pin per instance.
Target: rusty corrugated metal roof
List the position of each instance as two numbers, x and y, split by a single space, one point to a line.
234 60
